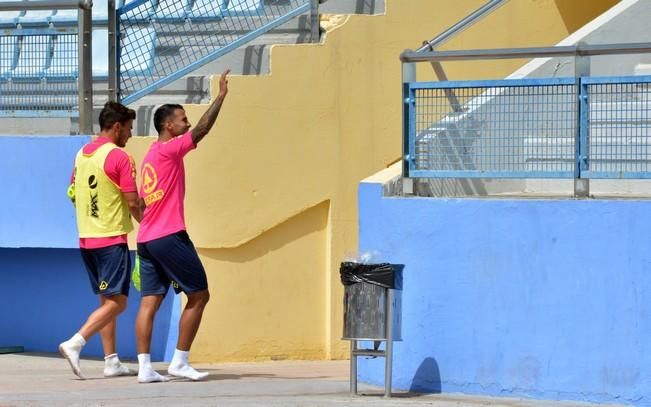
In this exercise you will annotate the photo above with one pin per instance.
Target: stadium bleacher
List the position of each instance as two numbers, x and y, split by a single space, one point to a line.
33 48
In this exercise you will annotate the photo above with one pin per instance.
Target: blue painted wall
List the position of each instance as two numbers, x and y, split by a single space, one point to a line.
46 296
34 175
549 299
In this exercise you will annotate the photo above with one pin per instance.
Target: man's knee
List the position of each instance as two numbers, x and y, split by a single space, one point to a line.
199 298
150 304
117 303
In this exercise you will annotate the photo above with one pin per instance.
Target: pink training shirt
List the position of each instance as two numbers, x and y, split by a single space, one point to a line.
163 188
120 168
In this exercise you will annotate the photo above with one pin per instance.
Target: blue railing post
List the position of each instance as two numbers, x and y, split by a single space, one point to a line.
581 69
408 75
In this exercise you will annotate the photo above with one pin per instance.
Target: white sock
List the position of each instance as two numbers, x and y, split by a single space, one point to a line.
180 357
146 373
77 340
111 359
113 367
181 368
71 349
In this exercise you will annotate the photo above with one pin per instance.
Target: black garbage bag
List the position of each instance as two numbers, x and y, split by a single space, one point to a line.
382 274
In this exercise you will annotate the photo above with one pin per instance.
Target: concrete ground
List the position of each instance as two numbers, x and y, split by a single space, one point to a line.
28 379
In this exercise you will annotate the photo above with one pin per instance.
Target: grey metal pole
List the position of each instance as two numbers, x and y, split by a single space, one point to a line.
315 29
112 56
581 185
85 84
532 52
408 75
449 93
462 25
353 366
41 5
388 358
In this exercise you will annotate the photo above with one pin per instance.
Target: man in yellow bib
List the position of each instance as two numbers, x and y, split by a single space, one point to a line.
103 189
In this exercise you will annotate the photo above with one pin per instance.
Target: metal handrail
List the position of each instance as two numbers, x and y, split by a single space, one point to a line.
533 52
581 52
461 25
85 88
451 32
45 5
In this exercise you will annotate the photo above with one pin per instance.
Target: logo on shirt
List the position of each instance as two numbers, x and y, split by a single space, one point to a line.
93 206
149 183
92 182
103 286
149 178
132 165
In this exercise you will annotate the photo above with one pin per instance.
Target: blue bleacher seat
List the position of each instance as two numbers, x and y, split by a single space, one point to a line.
138 51
8 54
32 57
36 17
65 16
207 9
243 7
64 63
9 19
100 14
138 48
141 12
172 9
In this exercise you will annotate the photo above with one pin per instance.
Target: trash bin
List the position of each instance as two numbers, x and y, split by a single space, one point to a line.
372 311
365 300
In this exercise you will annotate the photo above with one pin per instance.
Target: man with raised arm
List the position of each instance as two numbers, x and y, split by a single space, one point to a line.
166 253
103 189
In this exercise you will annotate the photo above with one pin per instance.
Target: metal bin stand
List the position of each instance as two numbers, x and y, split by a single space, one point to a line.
368 308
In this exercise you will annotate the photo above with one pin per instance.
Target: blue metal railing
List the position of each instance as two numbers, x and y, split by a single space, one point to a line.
166 40
160 41
35 71
531 128
43 62
617 124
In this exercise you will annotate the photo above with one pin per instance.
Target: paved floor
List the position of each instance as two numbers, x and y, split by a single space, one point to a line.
46 380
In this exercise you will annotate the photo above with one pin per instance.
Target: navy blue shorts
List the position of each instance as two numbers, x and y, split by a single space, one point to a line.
170 260
109 269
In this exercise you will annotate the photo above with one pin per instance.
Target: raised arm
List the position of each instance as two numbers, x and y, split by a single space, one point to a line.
208 119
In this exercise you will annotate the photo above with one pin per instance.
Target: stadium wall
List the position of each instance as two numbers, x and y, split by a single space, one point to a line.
534 298
289 150
272 191
46 291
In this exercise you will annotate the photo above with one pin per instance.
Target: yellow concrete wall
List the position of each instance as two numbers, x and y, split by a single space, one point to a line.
272 191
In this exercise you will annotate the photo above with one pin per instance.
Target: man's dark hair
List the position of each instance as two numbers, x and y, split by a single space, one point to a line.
163 113
114 112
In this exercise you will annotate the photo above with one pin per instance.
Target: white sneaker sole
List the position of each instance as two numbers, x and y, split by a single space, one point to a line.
153 380
74 368
120 374
198 378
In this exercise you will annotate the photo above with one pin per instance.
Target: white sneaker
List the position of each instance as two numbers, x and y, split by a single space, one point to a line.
187 372
151 376
118 370
71 353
